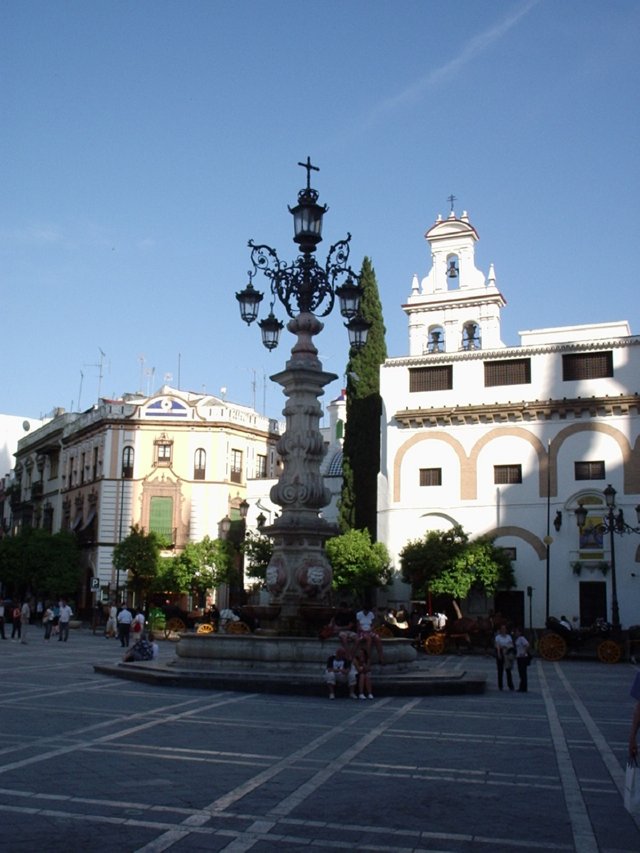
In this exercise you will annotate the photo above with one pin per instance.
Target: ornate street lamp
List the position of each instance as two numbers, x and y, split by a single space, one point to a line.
299 574
303 286
612 524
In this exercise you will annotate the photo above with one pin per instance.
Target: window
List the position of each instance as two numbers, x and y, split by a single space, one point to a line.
431 476
513 371
54 462
436 339
236 466
471 336
47 519
161 517
436 378
82 466
94 471
127 462
507 474
261 467
199 464
589 470
587 365
163 452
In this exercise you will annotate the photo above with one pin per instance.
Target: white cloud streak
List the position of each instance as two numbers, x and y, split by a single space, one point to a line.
473 48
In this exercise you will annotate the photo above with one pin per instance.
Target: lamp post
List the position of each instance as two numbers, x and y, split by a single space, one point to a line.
612 524
236 536
299 572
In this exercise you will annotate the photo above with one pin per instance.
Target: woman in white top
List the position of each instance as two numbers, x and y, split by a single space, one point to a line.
366 634
522 659
505 653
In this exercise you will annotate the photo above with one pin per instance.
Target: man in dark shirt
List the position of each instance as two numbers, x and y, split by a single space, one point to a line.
344 626
340 671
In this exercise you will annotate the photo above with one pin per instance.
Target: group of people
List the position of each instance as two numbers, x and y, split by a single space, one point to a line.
55 619
122 623
126 626
510 649
350 664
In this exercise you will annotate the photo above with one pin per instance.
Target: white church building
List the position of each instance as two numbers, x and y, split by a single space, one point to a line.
511 440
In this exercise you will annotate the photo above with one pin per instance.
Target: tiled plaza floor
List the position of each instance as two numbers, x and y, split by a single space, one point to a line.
89 763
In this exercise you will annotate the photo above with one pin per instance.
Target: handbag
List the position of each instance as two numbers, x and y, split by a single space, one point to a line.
632 787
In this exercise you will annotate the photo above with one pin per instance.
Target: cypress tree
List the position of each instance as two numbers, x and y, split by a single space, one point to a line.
361 450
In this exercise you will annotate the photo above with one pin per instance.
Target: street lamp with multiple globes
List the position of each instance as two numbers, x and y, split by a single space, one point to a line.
612 524
299 572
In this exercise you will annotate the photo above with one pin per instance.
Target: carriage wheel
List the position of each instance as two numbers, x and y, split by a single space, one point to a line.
384 632
434 644
205 628
552 647
174 628
238 628
609 651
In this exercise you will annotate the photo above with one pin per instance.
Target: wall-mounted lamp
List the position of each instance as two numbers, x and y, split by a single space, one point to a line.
557 521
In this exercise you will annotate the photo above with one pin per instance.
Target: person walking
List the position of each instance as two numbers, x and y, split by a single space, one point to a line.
505 654
15 622
523 659
63 623
47 621
25 616
111 628
137 626
124 625
635 720
2 634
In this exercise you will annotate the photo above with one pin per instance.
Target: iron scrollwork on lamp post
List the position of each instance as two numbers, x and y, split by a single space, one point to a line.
612 524
299 572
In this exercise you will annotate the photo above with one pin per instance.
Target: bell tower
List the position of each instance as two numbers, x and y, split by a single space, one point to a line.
454 307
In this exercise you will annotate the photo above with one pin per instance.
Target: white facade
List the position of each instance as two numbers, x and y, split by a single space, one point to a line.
465 417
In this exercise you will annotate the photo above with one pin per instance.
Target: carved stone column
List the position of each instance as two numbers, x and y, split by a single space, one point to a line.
299 574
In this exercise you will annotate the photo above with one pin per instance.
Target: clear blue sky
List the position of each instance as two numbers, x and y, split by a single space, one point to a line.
144 142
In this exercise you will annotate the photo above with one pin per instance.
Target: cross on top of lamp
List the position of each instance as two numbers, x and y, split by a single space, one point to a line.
303 286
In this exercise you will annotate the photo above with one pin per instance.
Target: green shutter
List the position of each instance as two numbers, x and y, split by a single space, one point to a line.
161 516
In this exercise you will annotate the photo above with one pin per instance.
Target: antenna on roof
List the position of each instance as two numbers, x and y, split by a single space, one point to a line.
100 366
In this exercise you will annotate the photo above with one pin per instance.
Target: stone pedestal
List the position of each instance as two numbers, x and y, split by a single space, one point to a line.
299 573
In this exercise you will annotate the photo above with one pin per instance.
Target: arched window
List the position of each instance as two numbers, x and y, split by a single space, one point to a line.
199 464
453 272
471 336
436 339
127 462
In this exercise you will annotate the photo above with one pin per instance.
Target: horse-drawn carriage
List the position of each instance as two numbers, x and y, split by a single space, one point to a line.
558 641
173 621
463 633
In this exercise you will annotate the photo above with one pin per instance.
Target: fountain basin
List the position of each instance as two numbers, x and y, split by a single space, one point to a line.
255 651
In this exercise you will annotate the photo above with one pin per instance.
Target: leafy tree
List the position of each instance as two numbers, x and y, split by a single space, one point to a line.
359 565
361 450
42 563
258 550
447 562
60 573
201 566
138 555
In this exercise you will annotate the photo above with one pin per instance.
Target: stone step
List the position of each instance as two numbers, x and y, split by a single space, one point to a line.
419 681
